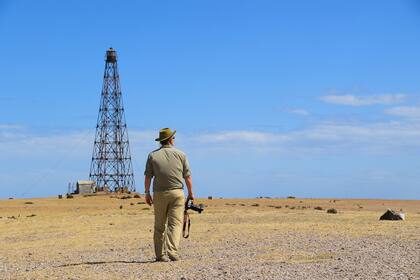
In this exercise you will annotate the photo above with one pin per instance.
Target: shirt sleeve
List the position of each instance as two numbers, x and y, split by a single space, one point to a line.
186 168
149 167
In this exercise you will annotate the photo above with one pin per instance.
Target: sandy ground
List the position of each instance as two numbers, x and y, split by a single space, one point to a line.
92 238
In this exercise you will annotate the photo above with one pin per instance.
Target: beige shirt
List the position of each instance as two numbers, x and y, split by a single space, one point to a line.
169 166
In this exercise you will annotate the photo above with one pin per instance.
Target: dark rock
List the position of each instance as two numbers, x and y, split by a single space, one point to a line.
29 202
318 208
391 215
210 197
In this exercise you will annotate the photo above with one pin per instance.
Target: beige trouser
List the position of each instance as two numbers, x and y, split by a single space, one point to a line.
169 213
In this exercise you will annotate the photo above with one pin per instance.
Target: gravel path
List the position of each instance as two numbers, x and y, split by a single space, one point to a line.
96 238
268 256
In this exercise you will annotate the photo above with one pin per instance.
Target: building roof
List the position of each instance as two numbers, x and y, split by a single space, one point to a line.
85 182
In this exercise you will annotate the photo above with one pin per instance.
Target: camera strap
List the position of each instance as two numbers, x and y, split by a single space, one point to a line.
187 225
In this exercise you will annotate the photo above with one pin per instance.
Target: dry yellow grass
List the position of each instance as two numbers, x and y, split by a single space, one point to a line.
77 237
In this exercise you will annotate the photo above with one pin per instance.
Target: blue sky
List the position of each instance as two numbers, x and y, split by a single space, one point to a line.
269 98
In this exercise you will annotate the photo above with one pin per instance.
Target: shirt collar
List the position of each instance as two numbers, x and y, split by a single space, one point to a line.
167 146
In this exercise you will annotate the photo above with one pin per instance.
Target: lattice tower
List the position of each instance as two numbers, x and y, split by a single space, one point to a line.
111 166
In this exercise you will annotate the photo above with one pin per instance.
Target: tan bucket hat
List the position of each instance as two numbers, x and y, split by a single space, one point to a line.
165 134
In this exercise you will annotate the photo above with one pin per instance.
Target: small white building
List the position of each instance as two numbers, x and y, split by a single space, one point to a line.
85 187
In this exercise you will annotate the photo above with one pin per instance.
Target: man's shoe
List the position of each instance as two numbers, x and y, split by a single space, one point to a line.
162 259
174 258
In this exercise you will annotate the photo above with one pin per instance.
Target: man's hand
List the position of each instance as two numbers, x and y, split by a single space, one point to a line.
148 199
190 196
188 182
147 196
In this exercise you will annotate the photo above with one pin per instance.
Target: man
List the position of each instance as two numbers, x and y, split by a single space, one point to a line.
168 167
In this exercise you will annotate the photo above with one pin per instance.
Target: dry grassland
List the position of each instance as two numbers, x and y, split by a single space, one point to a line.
92 238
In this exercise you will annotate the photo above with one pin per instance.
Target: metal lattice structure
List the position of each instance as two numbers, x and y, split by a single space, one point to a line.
111 166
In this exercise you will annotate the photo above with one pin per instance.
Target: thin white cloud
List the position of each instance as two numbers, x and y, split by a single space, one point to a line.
19 142
10 132
10 126
404 111
353 100
300 112
238 136
321 138
142 137
25 144
388 134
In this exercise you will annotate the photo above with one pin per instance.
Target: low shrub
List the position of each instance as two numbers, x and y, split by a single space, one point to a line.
332 211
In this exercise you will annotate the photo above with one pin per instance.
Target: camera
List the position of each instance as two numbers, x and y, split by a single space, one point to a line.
189 204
